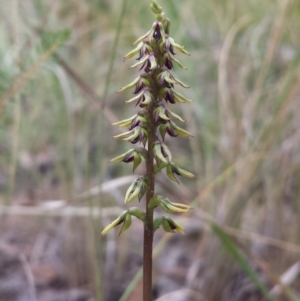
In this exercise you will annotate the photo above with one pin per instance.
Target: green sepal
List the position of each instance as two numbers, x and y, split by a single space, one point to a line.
122 135
154 202
169 224
162 130
121 157
160 167
158 154
162 113
126 224
180 83
153 63
130 190
136 97
168 77
166 226
136 160
177 81
133 52
143 152
142 38
179 97
158 222
125 122
120 219
180 131
177 46
177 61
129 86
136 133
173 207
138 213
141 62
176 116
180 171
148 98
184 173
167 151
170 174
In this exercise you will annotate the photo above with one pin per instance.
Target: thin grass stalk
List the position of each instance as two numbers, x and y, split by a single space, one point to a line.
101 127
17 108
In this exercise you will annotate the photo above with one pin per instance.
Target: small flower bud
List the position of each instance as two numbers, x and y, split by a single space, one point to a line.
161 153
152 61
168 63
143 81
156 33
161 113
138 134
130 156
155 7
136 189
168 95
167 128
166 23
148 61
137 121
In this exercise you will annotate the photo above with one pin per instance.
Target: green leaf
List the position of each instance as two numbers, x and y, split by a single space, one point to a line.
240 258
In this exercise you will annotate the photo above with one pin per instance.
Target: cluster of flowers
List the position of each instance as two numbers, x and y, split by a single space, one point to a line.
153 90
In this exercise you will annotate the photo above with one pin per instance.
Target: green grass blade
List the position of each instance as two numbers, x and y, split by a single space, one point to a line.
239 257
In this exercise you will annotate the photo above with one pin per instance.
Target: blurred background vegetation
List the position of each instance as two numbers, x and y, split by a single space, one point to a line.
60 67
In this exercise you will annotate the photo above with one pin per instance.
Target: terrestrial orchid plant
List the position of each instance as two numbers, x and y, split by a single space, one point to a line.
154 92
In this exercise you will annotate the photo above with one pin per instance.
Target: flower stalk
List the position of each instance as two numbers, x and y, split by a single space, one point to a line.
154 90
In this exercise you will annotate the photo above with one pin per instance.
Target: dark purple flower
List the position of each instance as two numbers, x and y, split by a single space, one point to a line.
169 97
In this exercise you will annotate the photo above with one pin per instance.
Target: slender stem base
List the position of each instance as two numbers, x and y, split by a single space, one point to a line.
148 226
148 242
